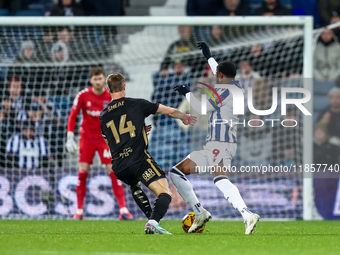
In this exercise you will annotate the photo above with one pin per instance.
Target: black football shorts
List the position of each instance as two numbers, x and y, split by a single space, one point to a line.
146 171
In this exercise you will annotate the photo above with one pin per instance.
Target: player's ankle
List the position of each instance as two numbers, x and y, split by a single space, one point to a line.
123 210
245 212
153 222
80 211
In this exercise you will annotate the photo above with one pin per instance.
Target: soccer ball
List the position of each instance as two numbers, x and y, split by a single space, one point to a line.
187 222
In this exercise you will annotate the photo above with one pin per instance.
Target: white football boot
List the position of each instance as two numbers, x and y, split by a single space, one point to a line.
251 223
199 221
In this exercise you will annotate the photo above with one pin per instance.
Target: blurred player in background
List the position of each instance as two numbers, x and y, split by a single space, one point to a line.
123 128
219 150
92 101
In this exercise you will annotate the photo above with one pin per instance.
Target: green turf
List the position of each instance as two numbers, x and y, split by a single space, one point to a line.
117 237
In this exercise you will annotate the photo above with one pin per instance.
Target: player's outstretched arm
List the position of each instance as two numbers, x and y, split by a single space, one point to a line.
193 101
187 119
207 54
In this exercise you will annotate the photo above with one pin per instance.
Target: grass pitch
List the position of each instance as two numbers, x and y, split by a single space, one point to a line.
21 237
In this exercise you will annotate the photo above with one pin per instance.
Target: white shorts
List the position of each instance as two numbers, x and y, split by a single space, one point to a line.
213 153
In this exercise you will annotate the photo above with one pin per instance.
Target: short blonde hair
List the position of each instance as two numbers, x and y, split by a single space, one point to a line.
115 82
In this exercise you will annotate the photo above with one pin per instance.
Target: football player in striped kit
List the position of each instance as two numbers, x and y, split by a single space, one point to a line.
219 150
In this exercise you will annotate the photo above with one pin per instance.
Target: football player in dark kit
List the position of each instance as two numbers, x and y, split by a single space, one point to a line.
123 128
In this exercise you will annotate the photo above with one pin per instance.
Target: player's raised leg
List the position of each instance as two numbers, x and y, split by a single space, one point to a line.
184 188
233 196
118 190
81 189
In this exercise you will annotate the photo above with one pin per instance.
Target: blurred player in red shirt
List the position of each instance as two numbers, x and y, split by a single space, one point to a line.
92 101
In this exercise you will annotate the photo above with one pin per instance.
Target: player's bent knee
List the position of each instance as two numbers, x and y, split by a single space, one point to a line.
184 166
84 167
163 190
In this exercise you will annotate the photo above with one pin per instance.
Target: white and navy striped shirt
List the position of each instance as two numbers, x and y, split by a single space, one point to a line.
218 129
29 151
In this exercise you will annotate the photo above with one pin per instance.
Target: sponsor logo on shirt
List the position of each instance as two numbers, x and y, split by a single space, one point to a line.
126 152
148 174
93 113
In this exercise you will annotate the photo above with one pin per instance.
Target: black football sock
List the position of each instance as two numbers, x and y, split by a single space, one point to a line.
141 200
160 206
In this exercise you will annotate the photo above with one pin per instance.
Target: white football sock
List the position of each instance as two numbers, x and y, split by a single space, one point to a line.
153 222
185 189
232 194
80 211
123 210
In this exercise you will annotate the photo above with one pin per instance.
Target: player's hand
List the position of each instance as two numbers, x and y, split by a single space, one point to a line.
148 129
182 89
189 120
205 49
71 145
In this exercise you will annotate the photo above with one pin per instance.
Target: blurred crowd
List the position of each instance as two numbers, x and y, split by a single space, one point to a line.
64 7
52 63
276 63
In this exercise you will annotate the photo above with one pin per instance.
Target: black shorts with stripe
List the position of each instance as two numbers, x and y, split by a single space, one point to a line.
146 171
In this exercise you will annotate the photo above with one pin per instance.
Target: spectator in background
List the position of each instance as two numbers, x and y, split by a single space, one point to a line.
25 67
7 128
163 86
60 52
53 132
331 116
54 128
65 79
167 137
13 101
260 59
34 113
234 8
325 189
27 52
273 7
216 35
246 75
50 111
45 43
203 7
326 57
186 43
289 57
324 151
28 150
65 35
335 19
327 7
67 8
78 44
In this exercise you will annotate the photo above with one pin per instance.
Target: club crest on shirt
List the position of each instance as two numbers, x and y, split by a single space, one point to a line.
125 153
89 104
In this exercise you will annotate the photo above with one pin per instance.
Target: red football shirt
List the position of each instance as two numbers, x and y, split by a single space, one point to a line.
91 106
